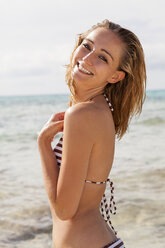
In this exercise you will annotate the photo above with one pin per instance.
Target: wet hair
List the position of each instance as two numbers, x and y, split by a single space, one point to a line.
127 96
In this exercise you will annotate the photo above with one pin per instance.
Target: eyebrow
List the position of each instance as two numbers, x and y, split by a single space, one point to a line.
102 49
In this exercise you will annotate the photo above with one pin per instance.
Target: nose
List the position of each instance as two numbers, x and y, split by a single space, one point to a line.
88 58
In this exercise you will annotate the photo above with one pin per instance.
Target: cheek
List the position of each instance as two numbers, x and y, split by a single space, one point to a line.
79 54
75 57
104 72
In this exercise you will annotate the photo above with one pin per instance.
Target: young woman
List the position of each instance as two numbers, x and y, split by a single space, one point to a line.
107 80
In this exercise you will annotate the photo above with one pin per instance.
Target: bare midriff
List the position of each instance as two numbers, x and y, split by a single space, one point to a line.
87 229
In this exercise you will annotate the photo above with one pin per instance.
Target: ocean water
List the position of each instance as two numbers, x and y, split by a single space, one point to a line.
138 174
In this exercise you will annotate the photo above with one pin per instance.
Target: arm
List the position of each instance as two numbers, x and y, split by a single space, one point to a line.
48 160
78 142
50 169
65 187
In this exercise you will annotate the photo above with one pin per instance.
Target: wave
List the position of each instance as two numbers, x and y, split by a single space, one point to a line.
151 122
18 137
30 233
155 95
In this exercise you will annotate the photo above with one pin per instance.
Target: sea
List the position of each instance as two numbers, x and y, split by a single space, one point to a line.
138 173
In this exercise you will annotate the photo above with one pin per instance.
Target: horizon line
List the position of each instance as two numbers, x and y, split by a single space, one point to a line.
53 94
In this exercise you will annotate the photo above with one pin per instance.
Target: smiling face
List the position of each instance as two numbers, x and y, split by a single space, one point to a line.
96 60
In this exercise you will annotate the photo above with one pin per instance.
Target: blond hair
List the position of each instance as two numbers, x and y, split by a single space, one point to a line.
127 96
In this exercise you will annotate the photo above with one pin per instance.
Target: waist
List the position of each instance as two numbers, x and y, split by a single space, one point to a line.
85 226
82 216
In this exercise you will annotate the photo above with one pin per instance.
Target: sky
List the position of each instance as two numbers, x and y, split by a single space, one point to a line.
37 38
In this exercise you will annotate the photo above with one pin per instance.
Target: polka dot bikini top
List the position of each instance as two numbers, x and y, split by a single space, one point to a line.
105 208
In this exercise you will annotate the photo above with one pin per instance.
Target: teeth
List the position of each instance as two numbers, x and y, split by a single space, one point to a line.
84 70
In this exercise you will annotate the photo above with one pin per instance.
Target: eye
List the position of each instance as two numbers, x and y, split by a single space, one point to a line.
87 46
103 58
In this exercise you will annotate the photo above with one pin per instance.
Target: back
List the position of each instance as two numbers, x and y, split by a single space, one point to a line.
101 155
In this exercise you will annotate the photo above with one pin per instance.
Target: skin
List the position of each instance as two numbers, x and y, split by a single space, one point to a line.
88 128
90 55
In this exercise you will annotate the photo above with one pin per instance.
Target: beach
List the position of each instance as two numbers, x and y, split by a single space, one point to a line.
138 173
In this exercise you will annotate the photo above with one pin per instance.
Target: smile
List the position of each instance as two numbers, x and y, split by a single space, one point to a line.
82 69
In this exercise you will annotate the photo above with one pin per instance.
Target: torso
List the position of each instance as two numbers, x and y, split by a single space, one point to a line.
88 228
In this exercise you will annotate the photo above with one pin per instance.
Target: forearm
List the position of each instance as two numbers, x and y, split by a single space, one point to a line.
49 168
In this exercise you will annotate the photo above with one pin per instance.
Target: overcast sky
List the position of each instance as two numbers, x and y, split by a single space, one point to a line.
37 37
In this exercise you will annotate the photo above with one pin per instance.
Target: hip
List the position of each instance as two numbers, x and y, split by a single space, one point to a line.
88 231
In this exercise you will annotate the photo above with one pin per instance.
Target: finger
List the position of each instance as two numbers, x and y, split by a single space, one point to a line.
56 126
57 116
52 126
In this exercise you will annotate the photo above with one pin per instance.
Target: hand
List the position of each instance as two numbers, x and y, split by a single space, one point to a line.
54 125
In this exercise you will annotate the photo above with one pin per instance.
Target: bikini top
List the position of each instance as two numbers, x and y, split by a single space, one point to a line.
105 208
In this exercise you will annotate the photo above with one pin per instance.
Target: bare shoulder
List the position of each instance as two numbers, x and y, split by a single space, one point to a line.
89 117
81 110
83 113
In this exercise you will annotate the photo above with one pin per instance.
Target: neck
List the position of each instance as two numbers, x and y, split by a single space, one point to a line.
88 96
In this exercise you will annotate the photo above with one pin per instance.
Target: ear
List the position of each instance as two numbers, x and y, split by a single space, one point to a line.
116 77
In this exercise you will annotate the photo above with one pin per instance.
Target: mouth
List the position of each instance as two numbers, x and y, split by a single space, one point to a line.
83 70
